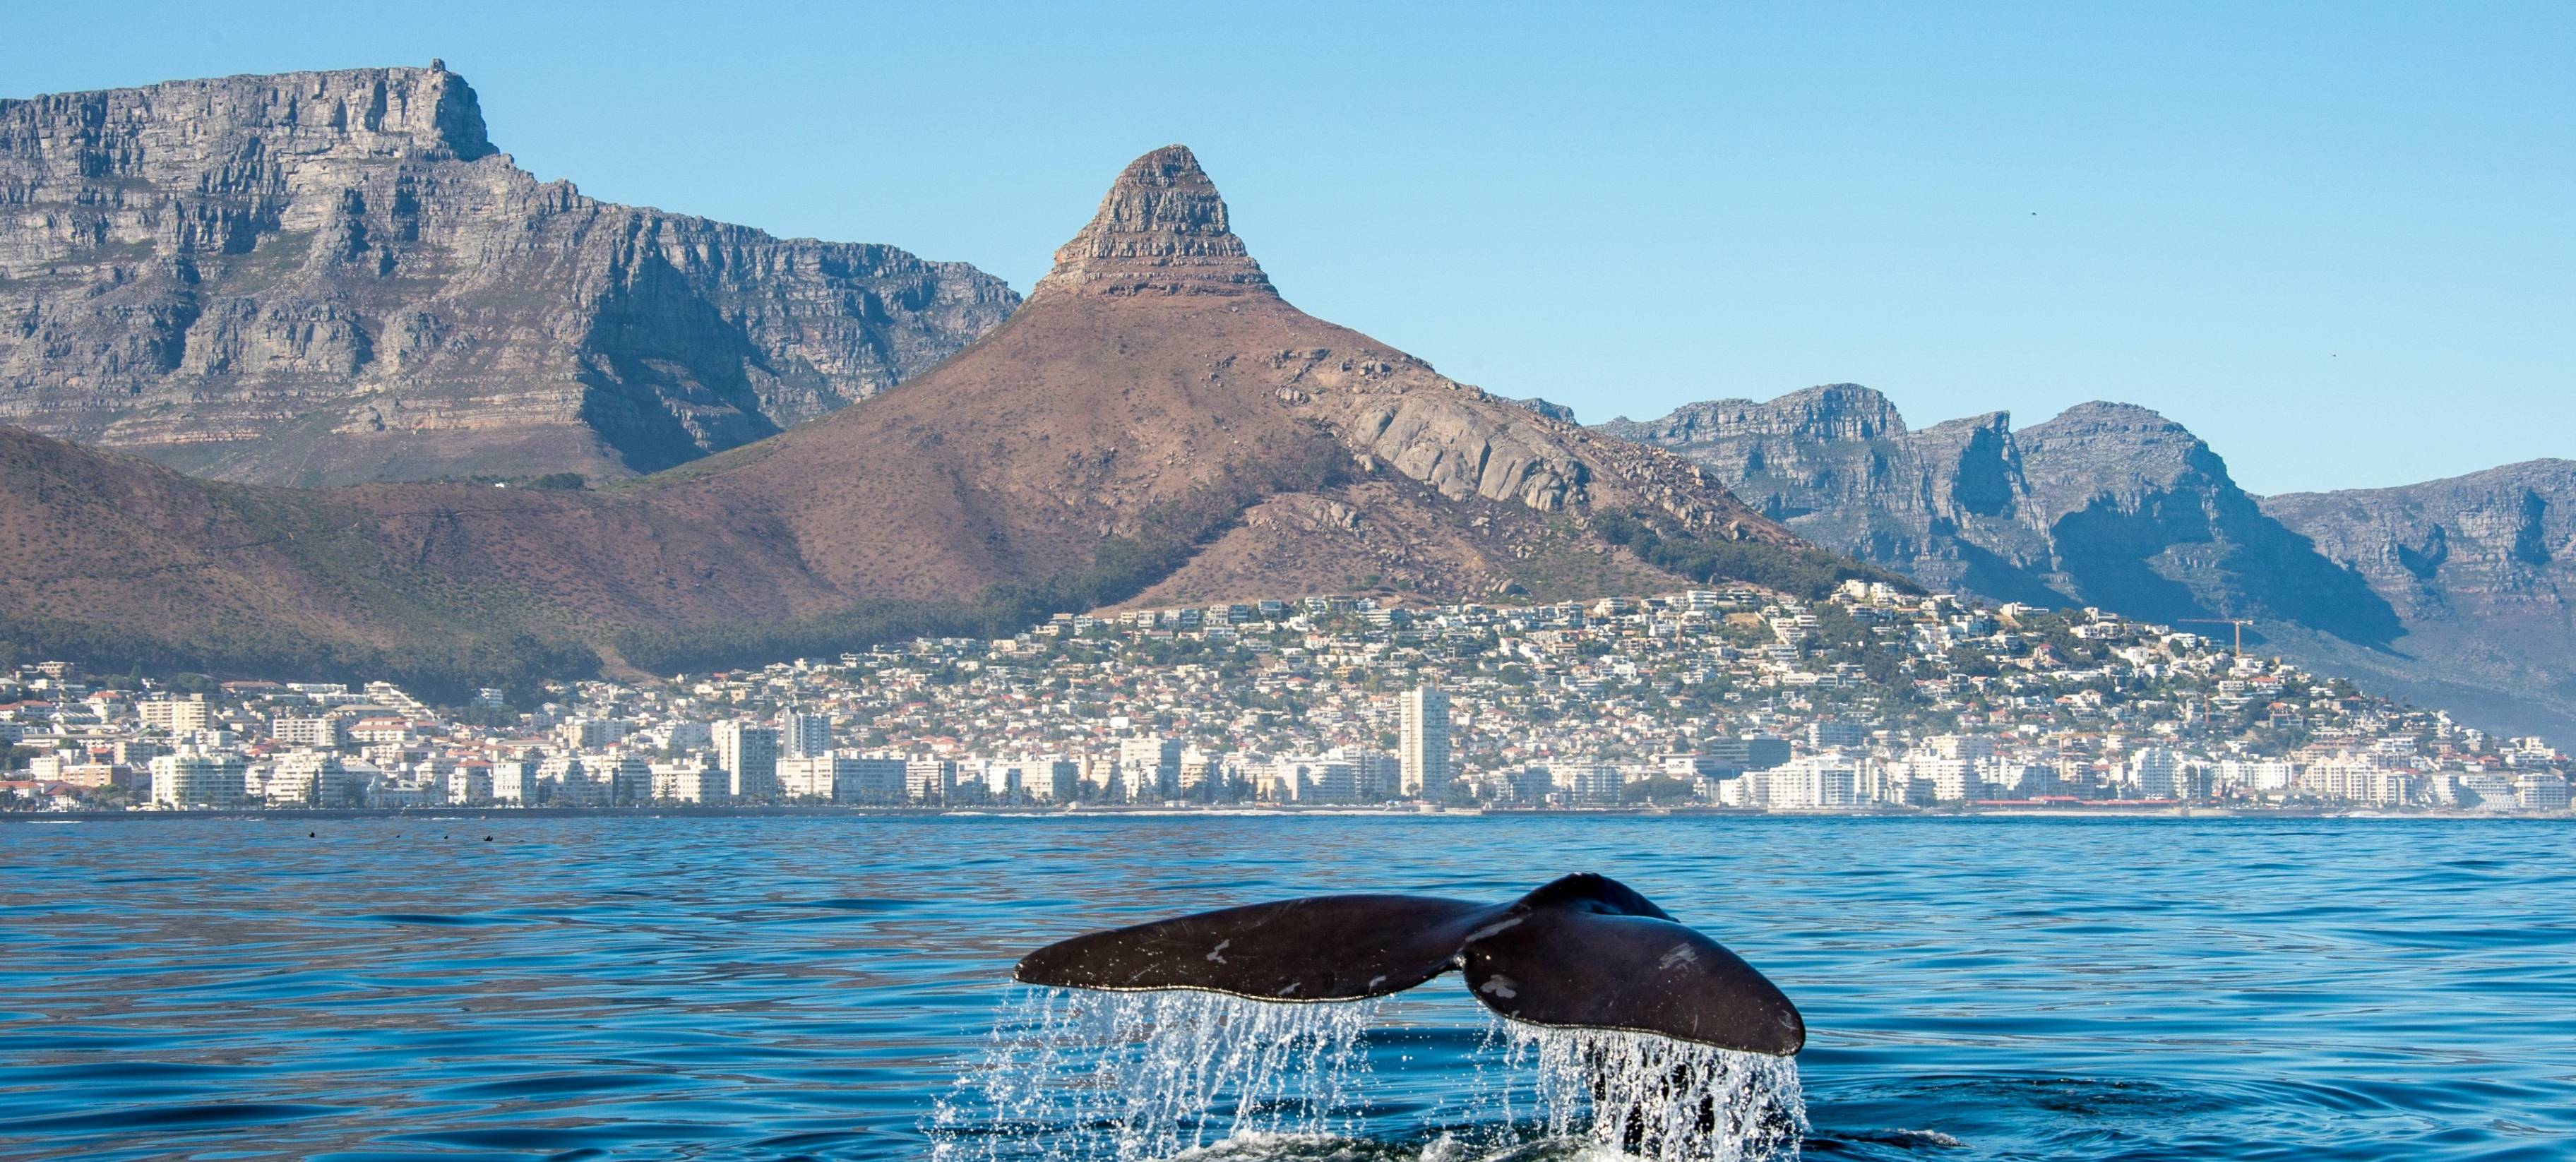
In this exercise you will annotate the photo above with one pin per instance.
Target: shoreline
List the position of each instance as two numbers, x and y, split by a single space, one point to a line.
1151 811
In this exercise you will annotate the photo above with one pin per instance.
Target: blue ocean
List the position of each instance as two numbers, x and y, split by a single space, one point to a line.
838 987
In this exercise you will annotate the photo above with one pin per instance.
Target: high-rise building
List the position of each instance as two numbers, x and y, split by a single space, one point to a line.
1149 769
804 735
749 757
1425 750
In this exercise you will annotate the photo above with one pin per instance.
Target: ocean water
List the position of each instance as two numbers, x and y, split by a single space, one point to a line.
837 987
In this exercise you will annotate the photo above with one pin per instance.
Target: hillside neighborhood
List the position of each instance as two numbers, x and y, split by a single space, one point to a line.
1872 699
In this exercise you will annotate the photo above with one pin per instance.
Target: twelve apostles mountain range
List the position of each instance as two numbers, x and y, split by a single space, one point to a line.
2453 593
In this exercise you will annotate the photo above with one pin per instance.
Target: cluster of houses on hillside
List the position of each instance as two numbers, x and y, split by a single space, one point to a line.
1869 699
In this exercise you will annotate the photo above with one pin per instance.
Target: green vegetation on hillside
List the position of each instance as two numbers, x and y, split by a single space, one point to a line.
1807 573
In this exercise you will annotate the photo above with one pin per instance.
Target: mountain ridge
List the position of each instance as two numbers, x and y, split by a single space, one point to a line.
2115 505
336 277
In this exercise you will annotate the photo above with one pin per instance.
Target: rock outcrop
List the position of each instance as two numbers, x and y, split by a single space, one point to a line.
330 277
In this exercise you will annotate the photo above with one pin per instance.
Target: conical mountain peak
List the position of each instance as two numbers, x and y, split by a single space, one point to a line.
1161 230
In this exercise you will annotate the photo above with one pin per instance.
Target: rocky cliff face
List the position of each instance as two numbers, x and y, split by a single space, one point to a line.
2452 593
2107 504
2482 568
330 277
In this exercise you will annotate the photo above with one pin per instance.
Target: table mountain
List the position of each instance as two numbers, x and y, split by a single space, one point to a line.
1155 425
2114 506
329 277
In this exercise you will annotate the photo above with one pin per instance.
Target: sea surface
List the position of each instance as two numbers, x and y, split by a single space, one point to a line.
838 987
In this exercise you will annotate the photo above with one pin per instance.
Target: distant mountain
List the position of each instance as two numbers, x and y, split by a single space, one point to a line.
2482 571
333 277
2107 504
2449 593
1155 425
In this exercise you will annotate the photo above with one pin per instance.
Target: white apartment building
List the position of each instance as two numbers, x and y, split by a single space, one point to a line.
309 778
470 784
1309 779
1375 775
842 778
1811 783
321 733
514 782
2156 772
694 779
194 777
2259 776
175 715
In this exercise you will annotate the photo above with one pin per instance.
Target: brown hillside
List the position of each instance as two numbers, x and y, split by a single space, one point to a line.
1157 368
1156 424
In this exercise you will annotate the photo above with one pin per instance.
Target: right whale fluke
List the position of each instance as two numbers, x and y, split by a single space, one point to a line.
1583 951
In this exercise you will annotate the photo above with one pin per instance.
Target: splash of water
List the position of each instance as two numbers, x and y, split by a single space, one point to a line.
1656 1098
1072 1076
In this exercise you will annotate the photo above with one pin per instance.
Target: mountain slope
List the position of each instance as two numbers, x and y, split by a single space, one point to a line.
332 277
2107 504
2482 568
1156 424
2449 593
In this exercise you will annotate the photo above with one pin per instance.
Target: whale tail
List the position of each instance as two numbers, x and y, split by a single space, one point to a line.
1584 951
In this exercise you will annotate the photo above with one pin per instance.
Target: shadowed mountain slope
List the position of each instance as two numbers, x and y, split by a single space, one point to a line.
2482 568
2450 593
1155 425
333 277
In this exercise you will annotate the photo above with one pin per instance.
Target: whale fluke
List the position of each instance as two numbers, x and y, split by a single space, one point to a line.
1584 951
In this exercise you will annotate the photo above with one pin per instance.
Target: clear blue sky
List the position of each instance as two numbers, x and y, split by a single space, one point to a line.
2338 240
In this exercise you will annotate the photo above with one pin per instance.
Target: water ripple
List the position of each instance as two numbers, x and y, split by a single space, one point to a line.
764 988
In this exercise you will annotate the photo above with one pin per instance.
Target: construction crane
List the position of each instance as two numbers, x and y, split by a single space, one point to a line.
2238 622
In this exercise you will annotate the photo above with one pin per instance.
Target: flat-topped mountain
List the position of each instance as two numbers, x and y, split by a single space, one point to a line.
332 277
1155 425
2447 592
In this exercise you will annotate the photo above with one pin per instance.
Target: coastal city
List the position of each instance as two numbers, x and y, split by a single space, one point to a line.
1874 699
